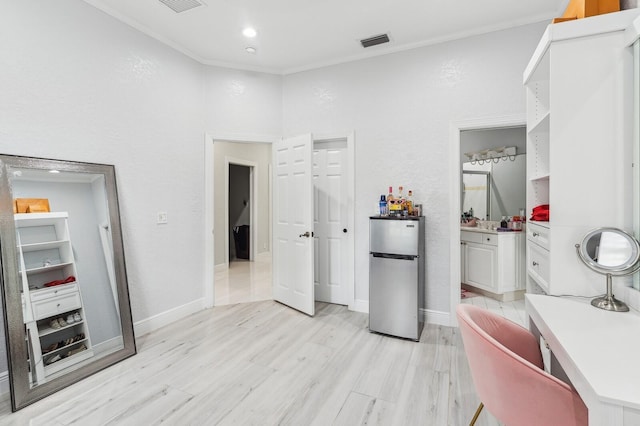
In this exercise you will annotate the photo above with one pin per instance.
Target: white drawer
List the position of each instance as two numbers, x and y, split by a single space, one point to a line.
538 265
490 239
56 291
538 234
56 306
471 237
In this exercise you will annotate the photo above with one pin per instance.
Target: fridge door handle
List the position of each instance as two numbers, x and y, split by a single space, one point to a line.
395 256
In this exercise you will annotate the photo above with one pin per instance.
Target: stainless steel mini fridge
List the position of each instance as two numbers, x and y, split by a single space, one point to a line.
396 275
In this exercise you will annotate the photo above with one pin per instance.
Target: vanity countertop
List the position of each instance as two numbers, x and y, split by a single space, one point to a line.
478 230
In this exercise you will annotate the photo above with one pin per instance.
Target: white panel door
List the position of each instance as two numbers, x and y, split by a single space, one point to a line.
330 223
293 223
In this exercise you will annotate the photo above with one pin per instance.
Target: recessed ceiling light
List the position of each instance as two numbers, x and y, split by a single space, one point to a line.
251 50
249 32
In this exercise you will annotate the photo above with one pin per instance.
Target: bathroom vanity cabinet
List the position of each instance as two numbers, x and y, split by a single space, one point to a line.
579 144
493 262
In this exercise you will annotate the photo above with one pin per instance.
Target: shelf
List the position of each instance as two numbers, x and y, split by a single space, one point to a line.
67 362
59 350
541 126
45 331
47 268
539 223
36 219
540 178
27 248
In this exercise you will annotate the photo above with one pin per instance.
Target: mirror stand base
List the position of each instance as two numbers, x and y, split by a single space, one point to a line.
610 303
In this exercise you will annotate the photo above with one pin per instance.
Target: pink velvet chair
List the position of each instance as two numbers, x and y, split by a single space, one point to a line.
507 370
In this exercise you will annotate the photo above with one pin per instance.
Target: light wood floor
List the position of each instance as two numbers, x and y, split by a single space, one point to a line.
264 364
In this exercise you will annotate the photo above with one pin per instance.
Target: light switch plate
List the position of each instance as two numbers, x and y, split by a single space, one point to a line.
162 218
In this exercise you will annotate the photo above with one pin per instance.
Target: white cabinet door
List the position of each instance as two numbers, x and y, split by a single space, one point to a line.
480 265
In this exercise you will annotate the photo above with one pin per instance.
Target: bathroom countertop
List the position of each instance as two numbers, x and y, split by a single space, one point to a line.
478 230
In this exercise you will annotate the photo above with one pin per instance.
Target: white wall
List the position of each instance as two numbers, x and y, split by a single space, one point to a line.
401 107
78 85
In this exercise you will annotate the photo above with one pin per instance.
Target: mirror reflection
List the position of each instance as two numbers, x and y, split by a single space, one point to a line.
494 190
66 275
613 250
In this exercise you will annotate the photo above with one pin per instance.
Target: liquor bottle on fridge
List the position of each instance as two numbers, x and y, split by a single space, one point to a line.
409 203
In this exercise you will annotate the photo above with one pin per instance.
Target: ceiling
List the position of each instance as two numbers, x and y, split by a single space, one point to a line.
296 35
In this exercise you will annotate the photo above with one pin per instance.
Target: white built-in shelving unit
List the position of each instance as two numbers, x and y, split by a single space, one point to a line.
45 256
579 143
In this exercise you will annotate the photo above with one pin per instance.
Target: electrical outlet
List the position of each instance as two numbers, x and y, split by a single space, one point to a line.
162 218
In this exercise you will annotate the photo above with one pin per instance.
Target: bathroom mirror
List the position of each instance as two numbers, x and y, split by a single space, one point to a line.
494 190
65 296
611 252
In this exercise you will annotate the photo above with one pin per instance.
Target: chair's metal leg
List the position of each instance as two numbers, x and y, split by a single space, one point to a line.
475 416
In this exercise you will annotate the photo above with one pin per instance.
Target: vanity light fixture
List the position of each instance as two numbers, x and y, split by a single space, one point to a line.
251 50
492 155
54 171
249 32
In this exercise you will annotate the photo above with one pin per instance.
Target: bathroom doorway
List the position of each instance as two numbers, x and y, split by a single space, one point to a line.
483 137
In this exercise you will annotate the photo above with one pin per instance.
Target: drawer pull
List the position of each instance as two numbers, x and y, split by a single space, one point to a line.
535 263
58 305
535 234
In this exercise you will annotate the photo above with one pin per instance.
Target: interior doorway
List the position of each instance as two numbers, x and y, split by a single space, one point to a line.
239 219
456 155
261 260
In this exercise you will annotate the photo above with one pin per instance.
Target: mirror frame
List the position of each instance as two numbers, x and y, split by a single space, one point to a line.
21 393
622 269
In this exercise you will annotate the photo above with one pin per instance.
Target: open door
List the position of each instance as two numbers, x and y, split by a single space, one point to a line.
293 223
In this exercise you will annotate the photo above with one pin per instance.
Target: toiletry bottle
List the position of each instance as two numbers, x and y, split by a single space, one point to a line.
503 223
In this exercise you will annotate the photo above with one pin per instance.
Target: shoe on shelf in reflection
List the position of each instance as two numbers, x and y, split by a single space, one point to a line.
70 319
53 359
62 322
54 323
77 317
51 347
77 350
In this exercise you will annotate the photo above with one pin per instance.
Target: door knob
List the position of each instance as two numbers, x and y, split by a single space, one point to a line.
306 234
344 230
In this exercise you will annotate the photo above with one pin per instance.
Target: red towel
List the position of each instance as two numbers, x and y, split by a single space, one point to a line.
540 213
69 279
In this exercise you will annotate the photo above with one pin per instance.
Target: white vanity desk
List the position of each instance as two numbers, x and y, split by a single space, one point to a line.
598 350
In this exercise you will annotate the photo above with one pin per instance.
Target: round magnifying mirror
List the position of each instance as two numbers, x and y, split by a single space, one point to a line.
609 251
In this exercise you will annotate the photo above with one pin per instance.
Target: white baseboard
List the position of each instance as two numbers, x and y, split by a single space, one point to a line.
108 346
165 318
360 305
436 317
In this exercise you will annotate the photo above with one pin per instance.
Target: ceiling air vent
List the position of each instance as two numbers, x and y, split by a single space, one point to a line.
372 41
179 6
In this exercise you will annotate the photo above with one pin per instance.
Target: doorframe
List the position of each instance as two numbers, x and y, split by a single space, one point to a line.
350 182
209 203
253 205
455 177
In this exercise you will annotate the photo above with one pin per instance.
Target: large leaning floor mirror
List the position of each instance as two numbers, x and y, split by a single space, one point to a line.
65 297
